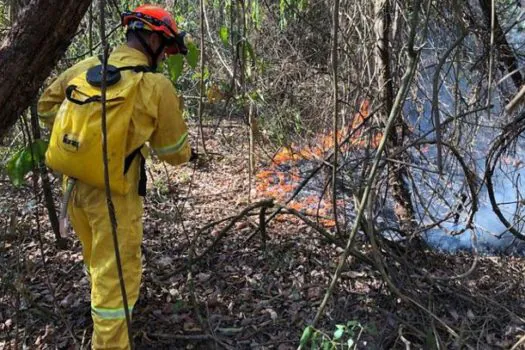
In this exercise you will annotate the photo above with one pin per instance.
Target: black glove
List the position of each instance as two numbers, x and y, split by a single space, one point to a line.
194 155
181 45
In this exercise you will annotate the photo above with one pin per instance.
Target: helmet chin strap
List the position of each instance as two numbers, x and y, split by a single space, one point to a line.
154 55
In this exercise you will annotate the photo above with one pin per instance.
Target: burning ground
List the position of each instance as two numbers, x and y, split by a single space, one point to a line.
293 175
249 293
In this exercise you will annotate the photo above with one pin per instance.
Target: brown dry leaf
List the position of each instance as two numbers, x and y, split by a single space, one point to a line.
471 315
454 314
164 262
353 274
191 326
203 277
42 338
241 225
8 323
273 314
315 293
68 300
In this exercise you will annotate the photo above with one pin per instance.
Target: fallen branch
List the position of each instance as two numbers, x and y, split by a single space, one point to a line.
509 108
325 233
518 343
267 203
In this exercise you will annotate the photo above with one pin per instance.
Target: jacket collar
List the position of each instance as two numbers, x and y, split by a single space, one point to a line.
129 56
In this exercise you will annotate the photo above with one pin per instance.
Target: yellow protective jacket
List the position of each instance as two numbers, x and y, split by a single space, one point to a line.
157 115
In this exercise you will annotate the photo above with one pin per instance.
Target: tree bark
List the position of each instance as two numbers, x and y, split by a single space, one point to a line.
15 7
46 186
335 120
37 40
404 209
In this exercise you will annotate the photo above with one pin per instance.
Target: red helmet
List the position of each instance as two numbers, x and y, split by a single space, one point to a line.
154 17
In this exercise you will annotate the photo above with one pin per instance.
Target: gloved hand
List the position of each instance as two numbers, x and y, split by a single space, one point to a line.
181 40
194 156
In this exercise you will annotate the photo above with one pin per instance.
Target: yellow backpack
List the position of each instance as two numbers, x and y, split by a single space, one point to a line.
75 146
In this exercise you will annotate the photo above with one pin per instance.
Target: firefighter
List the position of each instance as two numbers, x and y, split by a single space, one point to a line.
142 106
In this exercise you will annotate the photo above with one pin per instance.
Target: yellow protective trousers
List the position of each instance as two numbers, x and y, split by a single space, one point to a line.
89 217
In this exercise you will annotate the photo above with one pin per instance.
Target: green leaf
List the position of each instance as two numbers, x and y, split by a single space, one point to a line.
339 332
256 14
180 20
430 341
13 171
307 333
39 150
177 306
23 161
197 75
372 329
303 4
256 96
224 34
175 66
350 343
353 324
327 345
282 14
315 340
192 57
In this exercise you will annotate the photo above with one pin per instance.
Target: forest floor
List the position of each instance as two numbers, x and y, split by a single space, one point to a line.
248 293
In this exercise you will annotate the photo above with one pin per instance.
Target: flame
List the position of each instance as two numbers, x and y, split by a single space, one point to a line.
278 184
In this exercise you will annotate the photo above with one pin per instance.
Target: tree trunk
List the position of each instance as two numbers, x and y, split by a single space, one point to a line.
37 40
404 209
506 53
15 6
46 186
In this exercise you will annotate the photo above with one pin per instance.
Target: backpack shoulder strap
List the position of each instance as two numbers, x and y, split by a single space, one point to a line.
143 177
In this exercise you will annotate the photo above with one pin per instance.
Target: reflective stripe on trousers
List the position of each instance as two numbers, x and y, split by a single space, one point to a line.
111 314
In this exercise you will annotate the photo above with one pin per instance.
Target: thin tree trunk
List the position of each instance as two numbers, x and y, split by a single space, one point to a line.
90 30
109 201
506 54
201 92
241 51
46 186
404 209
335 120
36 41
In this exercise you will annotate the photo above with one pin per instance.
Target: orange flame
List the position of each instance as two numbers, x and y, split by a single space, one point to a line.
272 182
